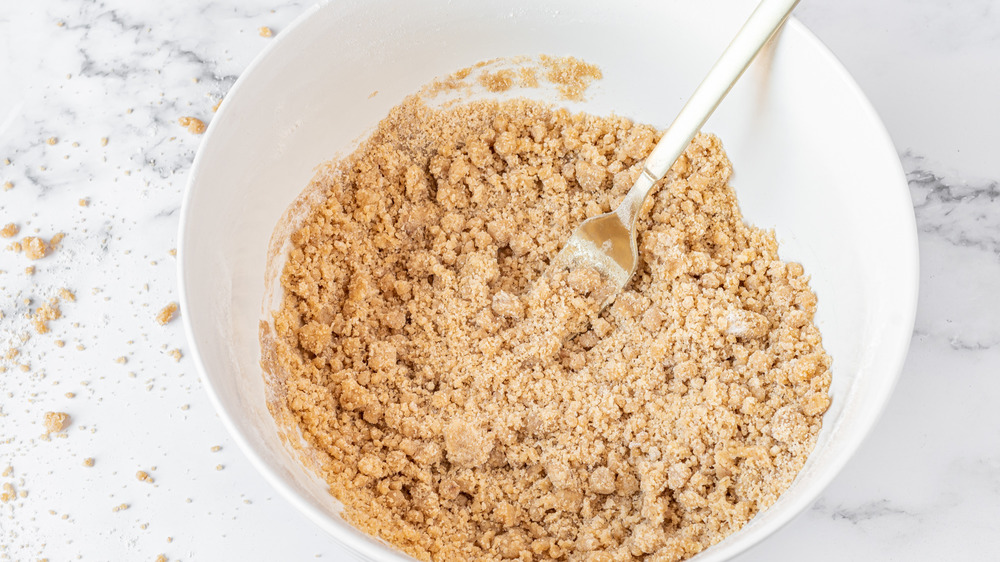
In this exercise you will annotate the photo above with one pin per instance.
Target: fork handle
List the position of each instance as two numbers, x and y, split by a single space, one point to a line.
762 24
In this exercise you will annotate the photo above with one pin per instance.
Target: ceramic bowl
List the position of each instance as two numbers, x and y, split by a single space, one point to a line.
811 160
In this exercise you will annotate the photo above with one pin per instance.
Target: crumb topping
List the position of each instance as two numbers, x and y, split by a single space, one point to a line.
465 404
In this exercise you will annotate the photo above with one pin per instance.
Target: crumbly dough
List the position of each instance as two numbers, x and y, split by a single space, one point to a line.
194 125
34 247
56 421
466 404
166 314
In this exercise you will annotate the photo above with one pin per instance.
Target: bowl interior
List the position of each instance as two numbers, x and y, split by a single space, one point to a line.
811 160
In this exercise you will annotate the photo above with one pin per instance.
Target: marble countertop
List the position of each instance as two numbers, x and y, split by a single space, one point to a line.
924 486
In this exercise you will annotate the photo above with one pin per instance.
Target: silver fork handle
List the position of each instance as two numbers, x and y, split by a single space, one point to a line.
762 24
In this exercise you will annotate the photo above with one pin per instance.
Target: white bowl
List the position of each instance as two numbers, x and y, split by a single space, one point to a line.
811 158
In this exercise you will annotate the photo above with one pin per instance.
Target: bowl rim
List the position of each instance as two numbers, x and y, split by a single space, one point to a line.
354 542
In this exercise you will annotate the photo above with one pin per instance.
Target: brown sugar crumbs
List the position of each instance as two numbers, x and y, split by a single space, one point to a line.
193 124
572 75
44 314
56 421
467 405
166 314
34 247
9 230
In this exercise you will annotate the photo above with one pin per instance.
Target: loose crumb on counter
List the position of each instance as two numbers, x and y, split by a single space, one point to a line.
265 31
464 402
34 247
193 125
44 314
10 230
120 507
166 314
143 476
56 422
88 462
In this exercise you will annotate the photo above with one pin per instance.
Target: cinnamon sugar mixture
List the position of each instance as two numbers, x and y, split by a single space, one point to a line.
468 407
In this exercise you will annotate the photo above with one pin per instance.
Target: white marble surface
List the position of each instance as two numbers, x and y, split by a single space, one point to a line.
925 485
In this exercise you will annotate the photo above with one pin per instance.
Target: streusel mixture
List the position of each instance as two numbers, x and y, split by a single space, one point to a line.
467 407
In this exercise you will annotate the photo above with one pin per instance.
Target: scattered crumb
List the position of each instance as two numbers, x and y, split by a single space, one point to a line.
571 75
217 104
161 557
51 141
83 202
172 251
120 507
59 343
144 476
67 295
30 270
121 360
215 449
373 94
7 471
56 422
166 314
34 247
104 141
70 395
528 77
265 31
10 230
193 124
176 354
7 186
44 314
8 492
499 81
88 462
219 467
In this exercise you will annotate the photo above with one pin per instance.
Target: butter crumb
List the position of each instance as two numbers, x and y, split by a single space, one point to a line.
265 31
56 422
193 124
34 247
166 314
